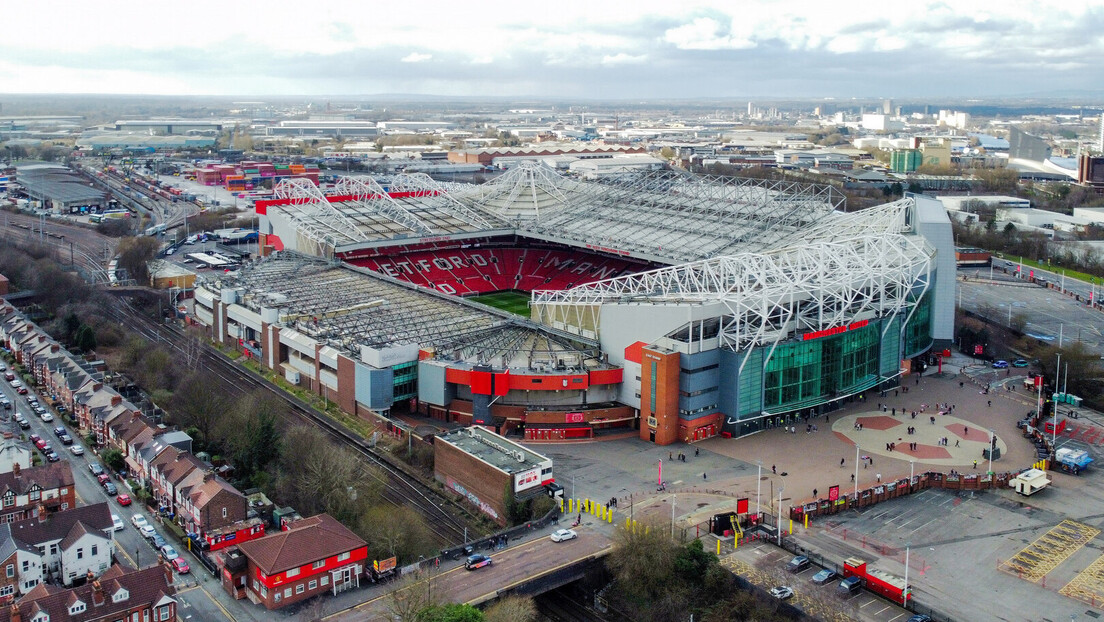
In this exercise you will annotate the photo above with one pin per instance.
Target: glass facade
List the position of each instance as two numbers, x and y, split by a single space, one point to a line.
806 373
918 331
405 380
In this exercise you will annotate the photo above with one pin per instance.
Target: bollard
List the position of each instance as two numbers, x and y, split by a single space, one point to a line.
718 547
791 526
806 521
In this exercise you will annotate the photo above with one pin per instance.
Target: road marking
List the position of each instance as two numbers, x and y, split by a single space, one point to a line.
895 617
218 604
879 612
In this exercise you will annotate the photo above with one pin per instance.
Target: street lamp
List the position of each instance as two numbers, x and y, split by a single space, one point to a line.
856 472
992 445
904 592
780 489
758 488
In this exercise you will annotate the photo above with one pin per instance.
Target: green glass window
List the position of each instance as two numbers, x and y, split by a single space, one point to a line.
918 330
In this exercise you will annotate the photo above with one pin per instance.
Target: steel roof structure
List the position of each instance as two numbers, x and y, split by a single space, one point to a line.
860 265
346 307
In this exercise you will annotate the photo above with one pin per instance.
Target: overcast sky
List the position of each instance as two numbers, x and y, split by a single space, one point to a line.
593 49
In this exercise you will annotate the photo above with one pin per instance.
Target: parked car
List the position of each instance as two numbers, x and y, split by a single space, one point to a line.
45 416
116 522
148 531
124 500
798 564
110 489
139 521
1020 363
76 450
168 552
782 592
477 561
103 478
824 576
157 541
180 565
23 424
95 468
5 403
35 438
564 534
66 439
52 456
41 444
58 431
1002 364
920 617
21 390
849 586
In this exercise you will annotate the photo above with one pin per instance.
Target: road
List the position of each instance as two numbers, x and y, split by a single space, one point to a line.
519 563
131 547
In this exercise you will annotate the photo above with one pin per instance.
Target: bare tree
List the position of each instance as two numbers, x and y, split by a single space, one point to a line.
413 596
512 609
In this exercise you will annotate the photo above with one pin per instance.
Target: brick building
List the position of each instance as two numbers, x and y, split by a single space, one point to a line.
479 465
313 556
24 491
119 594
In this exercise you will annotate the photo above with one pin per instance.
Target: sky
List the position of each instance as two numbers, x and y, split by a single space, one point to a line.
597 49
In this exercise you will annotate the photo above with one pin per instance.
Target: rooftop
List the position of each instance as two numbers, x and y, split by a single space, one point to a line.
499 452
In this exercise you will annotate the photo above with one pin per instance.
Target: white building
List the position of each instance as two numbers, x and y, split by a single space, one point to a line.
952 118
64 545
13 453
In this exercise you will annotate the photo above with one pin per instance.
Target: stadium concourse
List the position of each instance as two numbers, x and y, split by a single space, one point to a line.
680 306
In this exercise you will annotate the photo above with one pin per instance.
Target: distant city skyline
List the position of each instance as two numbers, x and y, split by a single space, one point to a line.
591 50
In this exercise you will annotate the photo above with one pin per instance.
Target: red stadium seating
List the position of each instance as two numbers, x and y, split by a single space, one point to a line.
469 271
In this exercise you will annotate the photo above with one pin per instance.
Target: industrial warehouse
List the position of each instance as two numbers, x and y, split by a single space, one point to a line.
678 306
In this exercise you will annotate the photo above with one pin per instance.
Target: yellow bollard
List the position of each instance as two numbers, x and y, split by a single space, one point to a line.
611 518
791 526
718 547
570 506
806 521
736 542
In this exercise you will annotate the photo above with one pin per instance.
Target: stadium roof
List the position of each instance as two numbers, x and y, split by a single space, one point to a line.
346 307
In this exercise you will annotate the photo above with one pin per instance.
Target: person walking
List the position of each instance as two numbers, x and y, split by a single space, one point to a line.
879 478
975 465
842 460
956 442
814 493
990 403
852 478
774 470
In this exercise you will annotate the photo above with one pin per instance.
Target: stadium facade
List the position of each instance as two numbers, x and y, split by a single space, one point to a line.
674 305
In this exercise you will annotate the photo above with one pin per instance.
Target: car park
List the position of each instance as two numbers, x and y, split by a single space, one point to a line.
1002 364
76 450
477 561
116 522
110 489
123 500
782 592
168 552
798 564
824 576
564 534
180 565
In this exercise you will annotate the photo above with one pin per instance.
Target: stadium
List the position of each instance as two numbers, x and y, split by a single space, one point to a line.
675 306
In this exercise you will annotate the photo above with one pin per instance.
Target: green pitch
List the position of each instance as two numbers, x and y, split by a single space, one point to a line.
514 302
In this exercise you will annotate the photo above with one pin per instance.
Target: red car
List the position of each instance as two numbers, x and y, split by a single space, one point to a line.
21 390
103 478
35 438
180 565
41 444
123 499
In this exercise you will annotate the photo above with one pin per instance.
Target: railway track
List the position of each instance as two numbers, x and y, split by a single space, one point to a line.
83 257
398 487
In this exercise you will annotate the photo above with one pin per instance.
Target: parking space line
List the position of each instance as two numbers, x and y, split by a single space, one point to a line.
1037 559
1088 585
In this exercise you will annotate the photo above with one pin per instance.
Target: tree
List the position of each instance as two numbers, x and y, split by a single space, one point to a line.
135 255
334 480
413 596
85 338
453 612
394 532
194 404
512 609
254 437
113 458
70 325
1009 230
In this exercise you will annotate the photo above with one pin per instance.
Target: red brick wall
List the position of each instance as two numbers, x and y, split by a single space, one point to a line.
666 396
486 483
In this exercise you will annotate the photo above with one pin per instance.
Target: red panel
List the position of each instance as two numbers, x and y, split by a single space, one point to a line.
549 382
458 376
261 209
632 353
481 382
607 376
274 241
741 506
502 383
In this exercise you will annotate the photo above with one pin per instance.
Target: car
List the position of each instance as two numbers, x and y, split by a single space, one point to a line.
76 450
95 468
564 534
47 417
920 617
6 404
1020 363
849 586
477 561
139 521
110 489
66 439
35 438
116 522
168 552
156 541
824 576
103 478
21 390
58 431
52 456
1002 364
798 564
15 383
61 410
123 500
180 565
782 592
33 400
148 531
23 424
41 444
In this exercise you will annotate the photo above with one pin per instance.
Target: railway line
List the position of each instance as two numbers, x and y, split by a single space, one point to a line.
75 242
398 487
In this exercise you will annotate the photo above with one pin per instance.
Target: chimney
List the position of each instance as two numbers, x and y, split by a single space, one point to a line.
15 469
97 386
116 399
42 516
97 594
90 576
208 476
14 614
168 572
